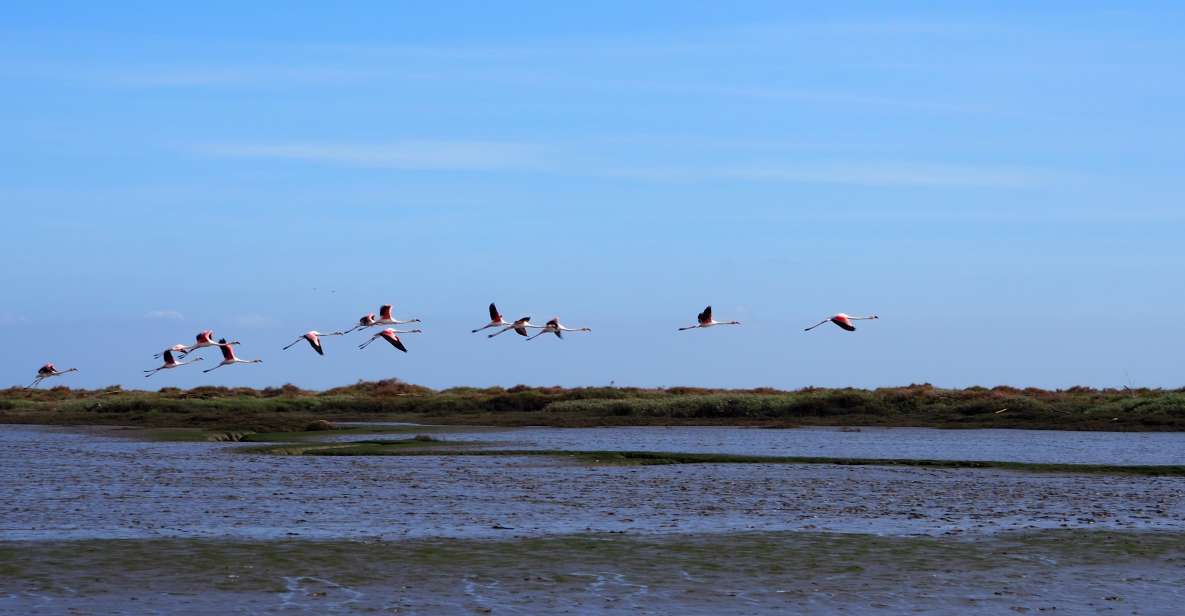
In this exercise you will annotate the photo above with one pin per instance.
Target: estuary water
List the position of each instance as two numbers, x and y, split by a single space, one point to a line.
103 483
99 521
1043 446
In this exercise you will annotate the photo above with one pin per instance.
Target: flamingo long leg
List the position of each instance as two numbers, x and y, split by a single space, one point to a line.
501 331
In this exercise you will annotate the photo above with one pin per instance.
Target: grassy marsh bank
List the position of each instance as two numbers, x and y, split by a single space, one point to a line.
289 408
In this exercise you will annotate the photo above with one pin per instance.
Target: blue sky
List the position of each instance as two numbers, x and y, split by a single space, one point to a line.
1000 182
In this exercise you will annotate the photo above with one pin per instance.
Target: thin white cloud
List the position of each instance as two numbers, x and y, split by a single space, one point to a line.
164 315
515 77
441 155
675 42
886 175
408 155
237 76
229 76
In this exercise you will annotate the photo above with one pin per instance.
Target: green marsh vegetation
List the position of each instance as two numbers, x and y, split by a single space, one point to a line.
289 408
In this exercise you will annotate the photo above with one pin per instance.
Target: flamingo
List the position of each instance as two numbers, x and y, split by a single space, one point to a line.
496 319
842 320
47 371
389 335
314 340
705 320
520 327
367 320
553 326
170 362
385 317
204 339
176 348
228 356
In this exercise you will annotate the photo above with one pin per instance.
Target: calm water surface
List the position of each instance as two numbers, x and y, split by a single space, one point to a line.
61 483
63 487
1159 448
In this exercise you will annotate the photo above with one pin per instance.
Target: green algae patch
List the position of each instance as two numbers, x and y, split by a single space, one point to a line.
315 435
198 435
366 447
408 447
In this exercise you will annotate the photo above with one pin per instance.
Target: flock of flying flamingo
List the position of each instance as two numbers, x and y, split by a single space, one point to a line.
174 356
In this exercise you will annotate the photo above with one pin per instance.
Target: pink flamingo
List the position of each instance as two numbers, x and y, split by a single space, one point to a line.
496 319
314 340
204 339
553 327
170 363
705 320
176 348
520 327
228 356
49 371
389 335
385 317
367 320
842 320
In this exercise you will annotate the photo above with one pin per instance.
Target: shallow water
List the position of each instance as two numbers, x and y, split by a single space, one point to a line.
1075 572
67 484
95 523
1042 446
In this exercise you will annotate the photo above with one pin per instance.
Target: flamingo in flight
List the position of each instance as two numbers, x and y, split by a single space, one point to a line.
367 320
496 319
390 336
705 320
553 326
48 371
228 356
170 362
520 327
385 317
842 320
204 339
314 340
176 348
